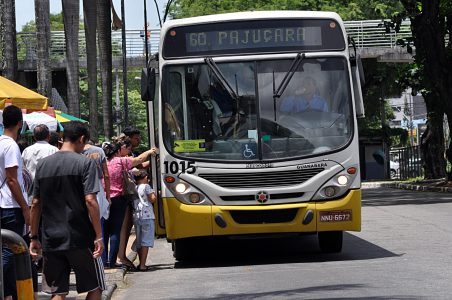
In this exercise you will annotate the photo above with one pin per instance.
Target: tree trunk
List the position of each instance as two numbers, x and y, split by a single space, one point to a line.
44 72
431 55
71 16
432 148
2 31
90 18
9 40
104 35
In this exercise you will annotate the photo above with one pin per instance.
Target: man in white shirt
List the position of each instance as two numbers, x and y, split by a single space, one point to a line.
14 208
34 153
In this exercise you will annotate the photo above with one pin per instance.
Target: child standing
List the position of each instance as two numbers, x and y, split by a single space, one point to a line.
144 218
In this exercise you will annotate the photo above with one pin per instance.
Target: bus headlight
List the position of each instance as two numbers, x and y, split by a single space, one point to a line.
195 198
187 193
342 179
336 186
329 191
180 188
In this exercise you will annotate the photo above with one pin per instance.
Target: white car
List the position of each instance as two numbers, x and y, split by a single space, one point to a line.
394 169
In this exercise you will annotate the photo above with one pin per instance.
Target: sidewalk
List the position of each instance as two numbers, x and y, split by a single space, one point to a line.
114 278
424 186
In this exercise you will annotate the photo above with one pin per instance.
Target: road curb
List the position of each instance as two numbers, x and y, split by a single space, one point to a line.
108 293
416 187
111 288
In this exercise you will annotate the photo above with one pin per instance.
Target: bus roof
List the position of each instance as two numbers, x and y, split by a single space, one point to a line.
252 15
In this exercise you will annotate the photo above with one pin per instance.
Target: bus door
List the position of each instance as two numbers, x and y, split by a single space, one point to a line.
150 94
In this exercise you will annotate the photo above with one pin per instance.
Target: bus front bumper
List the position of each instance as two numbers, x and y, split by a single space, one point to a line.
183 221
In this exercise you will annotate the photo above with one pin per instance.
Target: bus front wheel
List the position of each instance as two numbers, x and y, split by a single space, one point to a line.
330 241
182 249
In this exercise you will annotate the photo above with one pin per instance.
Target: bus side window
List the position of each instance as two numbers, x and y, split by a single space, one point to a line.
173 110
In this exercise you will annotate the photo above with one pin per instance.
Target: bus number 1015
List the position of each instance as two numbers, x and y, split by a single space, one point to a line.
173 167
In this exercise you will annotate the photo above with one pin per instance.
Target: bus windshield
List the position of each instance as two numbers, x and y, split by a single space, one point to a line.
230 111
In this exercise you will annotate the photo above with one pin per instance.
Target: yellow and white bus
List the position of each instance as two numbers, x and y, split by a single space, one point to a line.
255 117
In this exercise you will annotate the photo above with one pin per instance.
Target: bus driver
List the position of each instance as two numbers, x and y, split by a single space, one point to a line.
305 99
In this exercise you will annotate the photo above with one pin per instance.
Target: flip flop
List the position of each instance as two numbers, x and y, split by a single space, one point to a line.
126 264
146 268
123 266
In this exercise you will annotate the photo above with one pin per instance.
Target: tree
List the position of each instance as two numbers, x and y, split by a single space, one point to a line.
2 42
431 23
90 18
56 23
44 72
104 35
10 64
71 12
347 9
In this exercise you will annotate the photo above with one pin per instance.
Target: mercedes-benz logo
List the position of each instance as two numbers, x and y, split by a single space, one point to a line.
262 197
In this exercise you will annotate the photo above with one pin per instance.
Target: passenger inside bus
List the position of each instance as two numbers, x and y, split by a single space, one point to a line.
305 99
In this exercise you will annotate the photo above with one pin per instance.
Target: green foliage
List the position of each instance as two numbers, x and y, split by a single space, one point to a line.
56 24
347 9
137 108
381 83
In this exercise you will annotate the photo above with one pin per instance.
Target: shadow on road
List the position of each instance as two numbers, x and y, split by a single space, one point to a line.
298 249
388 197
303 293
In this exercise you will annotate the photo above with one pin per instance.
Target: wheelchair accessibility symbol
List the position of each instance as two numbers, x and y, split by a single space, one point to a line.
249 151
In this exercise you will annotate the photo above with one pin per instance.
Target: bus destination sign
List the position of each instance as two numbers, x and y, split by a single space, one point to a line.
252 38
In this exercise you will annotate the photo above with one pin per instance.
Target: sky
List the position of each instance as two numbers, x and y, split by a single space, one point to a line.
25 12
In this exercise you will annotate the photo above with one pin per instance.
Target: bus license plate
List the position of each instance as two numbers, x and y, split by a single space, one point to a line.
336 216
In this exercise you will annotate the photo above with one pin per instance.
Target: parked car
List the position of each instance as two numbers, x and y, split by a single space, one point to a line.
394 169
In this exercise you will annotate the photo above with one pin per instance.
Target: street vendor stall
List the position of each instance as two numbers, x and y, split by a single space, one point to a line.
15 94
36 118
63 117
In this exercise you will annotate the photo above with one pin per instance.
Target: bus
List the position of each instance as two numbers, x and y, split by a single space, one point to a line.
255 117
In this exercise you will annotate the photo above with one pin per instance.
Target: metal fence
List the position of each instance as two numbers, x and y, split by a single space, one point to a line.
135 44
406 163
367 34
373 33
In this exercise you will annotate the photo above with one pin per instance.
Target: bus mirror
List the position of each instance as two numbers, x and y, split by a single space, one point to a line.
359 64
357 93
148 79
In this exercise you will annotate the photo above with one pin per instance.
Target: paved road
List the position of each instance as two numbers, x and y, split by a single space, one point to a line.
403 252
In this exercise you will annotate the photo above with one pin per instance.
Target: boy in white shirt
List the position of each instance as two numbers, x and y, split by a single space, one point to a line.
144 219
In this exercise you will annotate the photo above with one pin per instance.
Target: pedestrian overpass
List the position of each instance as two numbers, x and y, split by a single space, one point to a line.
372 38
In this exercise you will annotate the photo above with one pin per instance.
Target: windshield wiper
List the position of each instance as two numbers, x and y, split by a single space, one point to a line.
217 72
286 80
277 93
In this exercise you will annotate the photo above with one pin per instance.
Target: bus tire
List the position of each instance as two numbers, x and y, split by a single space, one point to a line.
182 249
330 241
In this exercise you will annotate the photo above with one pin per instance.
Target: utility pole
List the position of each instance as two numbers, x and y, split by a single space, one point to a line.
384 135
124 66
145 11
411 106
118 116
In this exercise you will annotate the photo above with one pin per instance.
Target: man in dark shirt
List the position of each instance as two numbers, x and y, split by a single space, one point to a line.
64 196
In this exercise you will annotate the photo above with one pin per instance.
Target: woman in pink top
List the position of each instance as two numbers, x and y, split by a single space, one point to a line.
116 163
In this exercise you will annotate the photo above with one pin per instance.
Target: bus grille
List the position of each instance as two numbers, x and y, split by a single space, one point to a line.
253 197
264 179
263 216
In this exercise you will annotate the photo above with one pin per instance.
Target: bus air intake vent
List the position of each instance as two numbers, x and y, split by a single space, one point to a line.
264 216
261 180
253 197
